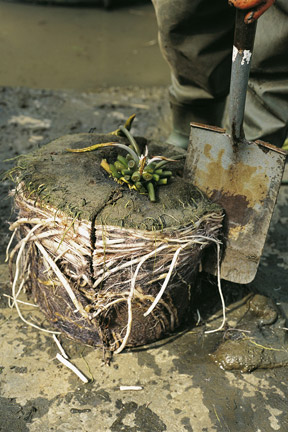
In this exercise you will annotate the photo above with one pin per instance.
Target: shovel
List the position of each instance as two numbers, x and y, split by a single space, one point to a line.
243 176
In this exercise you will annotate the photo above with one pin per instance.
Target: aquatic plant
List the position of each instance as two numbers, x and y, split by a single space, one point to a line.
138 171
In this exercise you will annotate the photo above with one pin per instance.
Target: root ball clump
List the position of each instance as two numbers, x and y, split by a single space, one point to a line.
107 266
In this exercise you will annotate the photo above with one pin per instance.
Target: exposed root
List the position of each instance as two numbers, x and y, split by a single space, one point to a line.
61 349
134 273
220 293
11 305
17 274
62 279
72 367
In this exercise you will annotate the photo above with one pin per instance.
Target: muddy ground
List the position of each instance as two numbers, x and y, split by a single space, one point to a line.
80 48
184 384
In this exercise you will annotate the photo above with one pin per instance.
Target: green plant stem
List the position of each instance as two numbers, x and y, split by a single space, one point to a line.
150 168
158 171
114 171
162 181
119 166
136 176
131 164
164 162
123 160
131 140
147 176
166 174
140 188
127 172
151 191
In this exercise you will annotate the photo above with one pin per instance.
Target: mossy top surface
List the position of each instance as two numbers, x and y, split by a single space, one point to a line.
76 184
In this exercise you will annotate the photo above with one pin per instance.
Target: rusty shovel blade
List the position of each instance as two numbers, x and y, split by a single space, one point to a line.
245 180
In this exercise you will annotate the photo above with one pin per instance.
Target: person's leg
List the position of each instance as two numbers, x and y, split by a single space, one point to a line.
266 115
196 38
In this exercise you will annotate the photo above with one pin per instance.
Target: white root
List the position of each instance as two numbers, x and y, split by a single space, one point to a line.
107 306
14 284
129 326
9 245
72 367
198 317
65 246
61 349
220 293
62 279
165 283
17 268
20 301
128 388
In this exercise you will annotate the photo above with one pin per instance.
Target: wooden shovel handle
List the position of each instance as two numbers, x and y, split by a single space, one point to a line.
244 34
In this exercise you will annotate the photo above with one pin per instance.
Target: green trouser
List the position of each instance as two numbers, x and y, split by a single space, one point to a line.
196 39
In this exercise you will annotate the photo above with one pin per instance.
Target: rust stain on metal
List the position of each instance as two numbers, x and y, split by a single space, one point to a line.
208 127
207 150
238 180
237 207
266 147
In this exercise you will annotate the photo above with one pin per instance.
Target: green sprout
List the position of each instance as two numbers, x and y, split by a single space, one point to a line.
136 170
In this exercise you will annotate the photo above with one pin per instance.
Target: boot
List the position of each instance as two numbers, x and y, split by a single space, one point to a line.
208 111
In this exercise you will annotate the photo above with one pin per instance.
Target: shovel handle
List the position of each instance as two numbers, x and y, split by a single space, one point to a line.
244 36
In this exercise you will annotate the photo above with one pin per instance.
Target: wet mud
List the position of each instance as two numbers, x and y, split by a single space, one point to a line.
184 389
256 343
